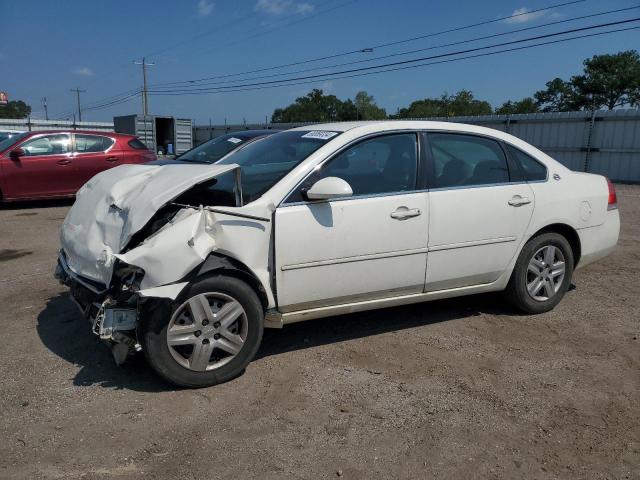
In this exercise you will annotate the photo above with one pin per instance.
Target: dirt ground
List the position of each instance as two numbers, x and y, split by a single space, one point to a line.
459 389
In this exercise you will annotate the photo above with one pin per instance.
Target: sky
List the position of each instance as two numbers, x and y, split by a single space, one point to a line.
49 47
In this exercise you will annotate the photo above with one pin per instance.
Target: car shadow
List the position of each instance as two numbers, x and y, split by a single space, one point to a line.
347 327
65 332
24 205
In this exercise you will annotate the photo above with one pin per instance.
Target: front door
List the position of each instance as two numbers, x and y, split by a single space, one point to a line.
478 216
44 170
370 245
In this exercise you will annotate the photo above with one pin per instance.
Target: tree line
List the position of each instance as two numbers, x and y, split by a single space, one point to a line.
607 82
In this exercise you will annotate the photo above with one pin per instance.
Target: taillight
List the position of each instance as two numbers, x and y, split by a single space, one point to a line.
612 203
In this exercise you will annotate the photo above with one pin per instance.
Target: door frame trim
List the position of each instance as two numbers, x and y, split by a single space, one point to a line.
355 258
420 184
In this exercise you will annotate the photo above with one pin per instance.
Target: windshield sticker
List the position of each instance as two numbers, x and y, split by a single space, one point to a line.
233 140
320 134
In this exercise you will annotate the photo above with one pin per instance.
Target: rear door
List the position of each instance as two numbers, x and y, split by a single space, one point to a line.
93 154
478 214
134 151
46 168
367 246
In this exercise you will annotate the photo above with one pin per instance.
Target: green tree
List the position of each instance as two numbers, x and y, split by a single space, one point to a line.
347 111
526 105
318 107
313 107
559 96
367 108
429 107
462 103
15 109
608 81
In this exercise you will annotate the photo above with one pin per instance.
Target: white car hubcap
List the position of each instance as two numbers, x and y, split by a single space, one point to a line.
545 273
207 331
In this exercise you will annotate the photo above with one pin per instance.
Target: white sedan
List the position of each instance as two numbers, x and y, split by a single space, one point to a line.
189 263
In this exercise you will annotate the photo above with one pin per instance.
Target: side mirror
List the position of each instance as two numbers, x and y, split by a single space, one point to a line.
16 153
328 188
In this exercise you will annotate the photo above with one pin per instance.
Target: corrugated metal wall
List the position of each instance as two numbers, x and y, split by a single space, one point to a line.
24 125
184 135
604 142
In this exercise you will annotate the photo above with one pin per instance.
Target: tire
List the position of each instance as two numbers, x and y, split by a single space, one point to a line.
525 290
192 346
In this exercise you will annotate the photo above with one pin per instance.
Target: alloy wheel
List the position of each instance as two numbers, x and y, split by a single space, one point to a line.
207 331
545 273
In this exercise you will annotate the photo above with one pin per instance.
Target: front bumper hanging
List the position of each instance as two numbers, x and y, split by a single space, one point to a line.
109 320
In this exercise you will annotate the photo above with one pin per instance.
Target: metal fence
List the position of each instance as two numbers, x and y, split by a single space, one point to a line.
604 142
28 125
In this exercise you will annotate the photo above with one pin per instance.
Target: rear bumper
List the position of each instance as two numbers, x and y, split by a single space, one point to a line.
598 242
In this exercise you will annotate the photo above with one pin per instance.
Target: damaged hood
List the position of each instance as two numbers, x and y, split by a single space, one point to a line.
117 203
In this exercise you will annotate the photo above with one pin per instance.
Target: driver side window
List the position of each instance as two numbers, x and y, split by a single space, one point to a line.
385 164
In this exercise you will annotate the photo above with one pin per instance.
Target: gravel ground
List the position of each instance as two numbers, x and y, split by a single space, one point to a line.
462 388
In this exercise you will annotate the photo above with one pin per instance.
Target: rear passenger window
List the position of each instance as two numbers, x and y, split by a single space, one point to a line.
92 143
532 169
466 160
137 144
386 164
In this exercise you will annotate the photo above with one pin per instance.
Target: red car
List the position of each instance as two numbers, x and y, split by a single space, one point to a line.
55 164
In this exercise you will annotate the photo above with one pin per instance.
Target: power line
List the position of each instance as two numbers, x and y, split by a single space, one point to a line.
157 53
434 47
402 62
407 67
88 106
114 102
371 48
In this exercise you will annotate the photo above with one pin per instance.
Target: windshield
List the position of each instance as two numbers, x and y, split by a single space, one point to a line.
215 149
263 164
7 142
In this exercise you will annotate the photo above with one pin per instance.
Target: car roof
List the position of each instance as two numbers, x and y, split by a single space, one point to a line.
252 133
384 125
70 130
381 126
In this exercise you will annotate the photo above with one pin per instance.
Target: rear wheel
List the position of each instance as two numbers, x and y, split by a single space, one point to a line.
542 274
209 336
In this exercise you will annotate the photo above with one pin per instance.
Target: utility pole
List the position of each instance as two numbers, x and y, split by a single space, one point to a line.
44 105
145 101
78 92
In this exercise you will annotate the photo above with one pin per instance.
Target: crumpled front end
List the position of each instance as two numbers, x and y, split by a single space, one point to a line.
124 242
117 203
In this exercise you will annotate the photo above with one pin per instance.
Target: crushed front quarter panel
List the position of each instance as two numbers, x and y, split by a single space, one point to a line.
117 203
183 244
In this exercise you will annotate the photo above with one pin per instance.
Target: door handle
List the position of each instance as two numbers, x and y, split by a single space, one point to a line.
402 213
112 159
63 162
518 201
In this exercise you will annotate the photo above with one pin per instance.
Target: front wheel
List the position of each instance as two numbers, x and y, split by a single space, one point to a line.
542 274
207 337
